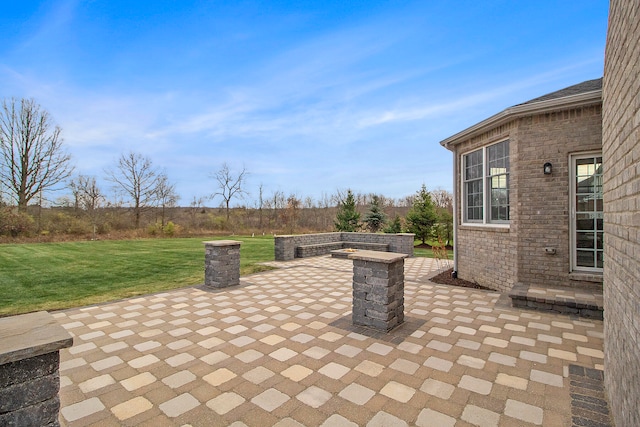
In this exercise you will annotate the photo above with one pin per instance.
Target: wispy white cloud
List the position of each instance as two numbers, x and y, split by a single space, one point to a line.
333 105
49 23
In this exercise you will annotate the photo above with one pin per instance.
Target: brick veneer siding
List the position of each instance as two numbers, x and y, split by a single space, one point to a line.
543 219
621 151
486 255
539 204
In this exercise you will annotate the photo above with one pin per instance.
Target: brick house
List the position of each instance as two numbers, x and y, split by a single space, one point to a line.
621 154
528 193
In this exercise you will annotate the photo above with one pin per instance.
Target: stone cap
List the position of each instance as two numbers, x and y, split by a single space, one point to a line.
223 243
377 256
30 335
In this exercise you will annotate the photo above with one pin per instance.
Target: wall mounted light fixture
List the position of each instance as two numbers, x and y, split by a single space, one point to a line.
547 168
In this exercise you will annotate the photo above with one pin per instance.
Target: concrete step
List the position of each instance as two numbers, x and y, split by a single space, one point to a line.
559 299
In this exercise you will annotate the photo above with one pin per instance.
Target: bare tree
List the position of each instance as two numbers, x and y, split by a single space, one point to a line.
86 193
88 197
196 206
277 202
339 196
291 212
32 158
165 194
442 199
260 204
136 176
230 185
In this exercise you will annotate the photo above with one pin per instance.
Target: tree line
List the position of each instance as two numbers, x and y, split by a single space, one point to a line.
144 201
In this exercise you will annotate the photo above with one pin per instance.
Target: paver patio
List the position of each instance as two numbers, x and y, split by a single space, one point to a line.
280 350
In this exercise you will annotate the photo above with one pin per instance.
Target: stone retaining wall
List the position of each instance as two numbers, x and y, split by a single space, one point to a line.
29 364
285 246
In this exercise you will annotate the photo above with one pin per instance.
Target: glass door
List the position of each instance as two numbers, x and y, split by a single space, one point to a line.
587 213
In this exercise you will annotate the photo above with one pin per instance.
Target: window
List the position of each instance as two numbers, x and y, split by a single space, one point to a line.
587 213
473 186
486 184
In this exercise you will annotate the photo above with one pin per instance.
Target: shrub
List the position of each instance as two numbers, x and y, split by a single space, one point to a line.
14 223
62 223
170 229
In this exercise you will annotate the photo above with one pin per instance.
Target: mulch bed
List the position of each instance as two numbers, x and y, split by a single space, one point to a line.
445 278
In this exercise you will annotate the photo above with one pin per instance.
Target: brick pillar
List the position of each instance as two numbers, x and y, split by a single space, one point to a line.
378 289
222 263
29 365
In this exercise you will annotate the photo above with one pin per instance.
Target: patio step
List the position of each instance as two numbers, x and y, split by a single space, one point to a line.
560 299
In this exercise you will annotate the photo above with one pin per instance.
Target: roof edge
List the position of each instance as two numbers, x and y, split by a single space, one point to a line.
581 99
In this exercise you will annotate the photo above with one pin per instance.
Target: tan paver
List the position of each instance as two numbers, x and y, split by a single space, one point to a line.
279 350
397 391
523 411
314 397
225 402
179 405
131 408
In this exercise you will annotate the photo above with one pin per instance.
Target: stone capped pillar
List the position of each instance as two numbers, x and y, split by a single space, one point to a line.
29 369
222 263
285 248
378 289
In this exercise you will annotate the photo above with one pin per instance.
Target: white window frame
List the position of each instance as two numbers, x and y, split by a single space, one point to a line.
486 190
572 203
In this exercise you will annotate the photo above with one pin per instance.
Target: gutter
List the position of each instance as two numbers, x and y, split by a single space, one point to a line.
517 111
454 273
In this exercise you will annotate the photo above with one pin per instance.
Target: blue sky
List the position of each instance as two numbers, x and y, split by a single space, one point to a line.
308 96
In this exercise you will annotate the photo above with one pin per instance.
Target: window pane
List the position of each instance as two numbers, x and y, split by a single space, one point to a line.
585 240
584 221
585 258
584 203
473 165
498 173
473 185
474 200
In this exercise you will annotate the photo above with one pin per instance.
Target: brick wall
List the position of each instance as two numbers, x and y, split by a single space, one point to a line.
539 204
621 146
543 204
487 255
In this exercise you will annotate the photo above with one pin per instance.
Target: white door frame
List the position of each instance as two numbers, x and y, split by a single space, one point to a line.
596 213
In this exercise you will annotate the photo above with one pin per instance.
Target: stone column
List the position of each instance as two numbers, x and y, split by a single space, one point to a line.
285 248
29 365
378 289
222 263
404 243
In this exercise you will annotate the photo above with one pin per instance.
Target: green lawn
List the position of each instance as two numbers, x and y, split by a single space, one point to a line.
52 276
428 253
